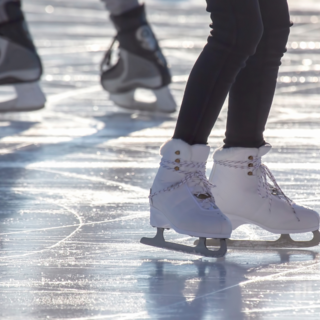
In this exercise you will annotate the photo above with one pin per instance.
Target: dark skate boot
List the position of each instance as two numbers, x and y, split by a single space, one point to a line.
141 64
20 64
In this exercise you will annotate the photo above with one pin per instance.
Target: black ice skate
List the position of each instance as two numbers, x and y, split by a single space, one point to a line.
20 64
141 64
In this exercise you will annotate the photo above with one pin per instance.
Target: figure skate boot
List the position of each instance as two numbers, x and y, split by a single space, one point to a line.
141 64
247 193
181 199
20 65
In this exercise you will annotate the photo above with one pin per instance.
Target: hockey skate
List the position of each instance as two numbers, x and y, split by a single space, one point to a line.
181 199
20 66
257 199
141 65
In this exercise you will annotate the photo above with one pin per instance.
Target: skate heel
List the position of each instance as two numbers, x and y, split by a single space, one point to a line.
165 101
158 219
30 96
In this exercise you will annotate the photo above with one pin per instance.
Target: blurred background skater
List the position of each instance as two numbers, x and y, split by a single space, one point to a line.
141 63
242 59
20 65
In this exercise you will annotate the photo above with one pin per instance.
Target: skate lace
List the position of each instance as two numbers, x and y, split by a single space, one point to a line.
197 180
265 173
106 61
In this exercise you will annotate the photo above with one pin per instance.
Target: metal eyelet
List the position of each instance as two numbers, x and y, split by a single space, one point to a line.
177 160
250 157
250 165
250 173
176 168
202 196
177 152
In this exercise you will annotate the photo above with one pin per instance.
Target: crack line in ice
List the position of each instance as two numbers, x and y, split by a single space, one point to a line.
54 98
56 244
282 309
94 179
78 225
75 231
68 94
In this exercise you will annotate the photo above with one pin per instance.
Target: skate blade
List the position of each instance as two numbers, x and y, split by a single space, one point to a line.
284 242
200 249
28 97
164 101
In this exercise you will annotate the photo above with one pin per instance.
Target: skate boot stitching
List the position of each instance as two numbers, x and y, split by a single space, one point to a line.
255 165
206 197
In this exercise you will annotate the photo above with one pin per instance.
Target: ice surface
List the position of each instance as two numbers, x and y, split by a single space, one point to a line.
75 179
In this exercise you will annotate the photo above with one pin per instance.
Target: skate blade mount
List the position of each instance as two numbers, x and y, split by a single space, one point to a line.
164 101
28 97
200 249
284 242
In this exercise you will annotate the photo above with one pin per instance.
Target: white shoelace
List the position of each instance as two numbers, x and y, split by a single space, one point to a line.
265 173
198 178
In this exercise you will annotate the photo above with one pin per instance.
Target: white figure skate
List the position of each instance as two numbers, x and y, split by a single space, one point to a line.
181 199
245 196
20 66
141 65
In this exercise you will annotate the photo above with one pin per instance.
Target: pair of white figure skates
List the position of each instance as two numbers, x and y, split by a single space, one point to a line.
238 192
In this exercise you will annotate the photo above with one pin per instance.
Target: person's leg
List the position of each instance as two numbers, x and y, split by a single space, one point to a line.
118 7
236 32
238 170
141 63
20 64
181 197
251 95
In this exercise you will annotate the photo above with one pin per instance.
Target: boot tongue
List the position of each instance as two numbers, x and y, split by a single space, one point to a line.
264 150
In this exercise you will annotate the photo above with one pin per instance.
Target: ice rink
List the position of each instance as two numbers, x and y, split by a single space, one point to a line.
75 179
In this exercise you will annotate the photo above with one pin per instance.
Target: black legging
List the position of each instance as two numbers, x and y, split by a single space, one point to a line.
242 58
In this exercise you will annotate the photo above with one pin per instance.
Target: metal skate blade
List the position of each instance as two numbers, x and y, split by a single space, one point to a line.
200 249
284 242
27 97
163 101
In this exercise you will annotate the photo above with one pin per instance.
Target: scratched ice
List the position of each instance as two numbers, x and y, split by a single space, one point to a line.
75 180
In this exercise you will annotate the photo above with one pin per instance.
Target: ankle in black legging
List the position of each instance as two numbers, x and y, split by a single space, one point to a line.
242 56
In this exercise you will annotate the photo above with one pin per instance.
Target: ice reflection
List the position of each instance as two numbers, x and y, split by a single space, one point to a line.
196 292
221 290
